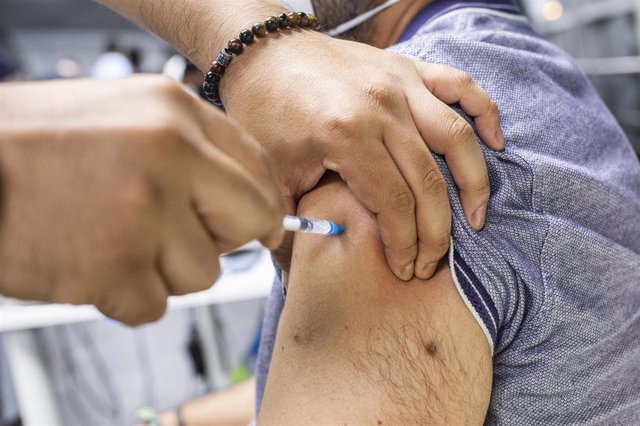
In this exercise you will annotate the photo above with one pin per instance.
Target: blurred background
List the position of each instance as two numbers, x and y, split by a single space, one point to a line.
604 37
100 373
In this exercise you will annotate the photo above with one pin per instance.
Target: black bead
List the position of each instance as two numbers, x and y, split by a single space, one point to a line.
210 89
211 78
246 36
215 99
283 20
272 24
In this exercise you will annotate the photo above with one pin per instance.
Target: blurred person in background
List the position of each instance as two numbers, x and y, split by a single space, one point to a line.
181 69
8 68
231 407
135 58
113 63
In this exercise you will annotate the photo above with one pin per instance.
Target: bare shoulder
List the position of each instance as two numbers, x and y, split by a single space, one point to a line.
357 346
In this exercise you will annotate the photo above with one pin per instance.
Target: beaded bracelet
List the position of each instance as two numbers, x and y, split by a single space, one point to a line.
235 47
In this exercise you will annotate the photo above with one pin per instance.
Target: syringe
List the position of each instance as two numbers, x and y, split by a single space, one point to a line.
312 226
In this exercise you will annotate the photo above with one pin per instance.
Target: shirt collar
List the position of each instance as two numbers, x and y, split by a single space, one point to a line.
440 7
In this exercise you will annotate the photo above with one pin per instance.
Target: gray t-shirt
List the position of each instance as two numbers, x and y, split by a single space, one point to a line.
554 278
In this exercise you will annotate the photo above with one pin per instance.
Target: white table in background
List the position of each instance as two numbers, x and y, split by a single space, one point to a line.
19 321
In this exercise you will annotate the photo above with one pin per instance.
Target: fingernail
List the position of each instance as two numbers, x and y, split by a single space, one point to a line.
478 217
407 272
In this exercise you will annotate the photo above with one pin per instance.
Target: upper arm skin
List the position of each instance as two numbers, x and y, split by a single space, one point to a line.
357 346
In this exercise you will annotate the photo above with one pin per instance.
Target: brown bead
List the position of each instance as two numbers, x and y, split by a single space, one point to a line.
294 19
304 20
313 21
235 46
272 24
259 30
217 69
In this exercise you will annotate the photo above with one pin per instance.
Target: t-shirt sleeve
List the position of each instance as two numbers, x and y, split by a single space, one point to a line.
497 270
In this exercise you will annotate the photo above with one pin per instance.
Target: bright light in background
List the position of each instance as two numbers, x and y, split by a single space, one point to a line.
552 10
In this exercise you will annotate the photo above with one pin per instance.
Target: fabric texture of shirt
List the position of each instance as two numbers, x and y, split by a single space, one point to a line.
554 278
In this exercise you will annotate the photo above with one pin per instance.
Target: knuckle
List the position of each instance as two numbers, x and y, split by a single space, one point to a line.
164 86
208 280
380 95
137 196
125 254
402 254
127 260
440 244
167 128
166 116
166 139
447 69
343 126
211 274
154 311
432 181
403 202
460 130
158 134
484 188
136 311
466 79
207 276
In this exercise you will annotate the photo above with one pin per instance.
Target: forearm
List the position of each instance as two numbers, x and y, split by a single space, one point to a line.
196 28
234 406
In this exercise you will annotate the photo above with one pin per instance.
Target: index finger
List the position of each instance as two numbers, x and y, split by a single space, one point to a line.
454 86
240 146
447 133
230 202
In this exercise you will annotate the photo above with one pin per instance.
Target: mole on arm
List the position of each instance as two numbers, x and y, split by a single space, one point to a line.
431 348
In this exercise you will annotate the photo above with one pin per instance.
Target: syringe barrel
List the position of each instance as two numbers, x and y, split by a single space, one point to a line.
312 226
